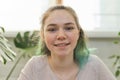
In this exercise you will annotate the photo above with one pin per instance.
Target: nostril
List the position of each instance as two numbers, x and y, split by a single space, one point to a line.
61 38
61 35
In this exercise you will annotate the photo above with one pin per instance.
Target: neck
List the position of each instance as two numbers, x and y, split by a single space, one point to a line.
60 61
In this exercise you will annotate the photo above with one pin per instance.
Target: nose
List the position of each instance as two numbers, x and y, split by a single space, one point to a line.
61 35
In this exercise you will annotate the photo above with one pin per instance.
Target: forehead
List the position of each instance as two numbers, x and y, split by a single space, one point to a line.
59 16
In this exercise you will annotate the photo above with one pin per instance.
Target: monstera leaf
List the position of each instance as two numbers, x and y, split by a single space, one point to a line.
27 42
6 54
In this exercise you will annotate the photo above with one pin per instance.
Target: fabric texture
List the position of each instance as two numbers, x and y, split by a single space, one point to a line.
38 68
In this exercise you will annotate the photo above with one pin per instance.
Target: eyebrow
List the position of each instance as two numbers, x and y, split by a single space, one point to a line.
52 25
69 23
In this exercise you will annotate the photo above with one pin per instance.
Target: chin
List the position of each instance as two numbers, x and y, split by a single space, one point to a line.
62 54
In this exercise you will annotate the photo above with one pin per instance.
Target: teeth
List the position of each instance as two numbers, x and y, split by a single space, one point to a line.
61 45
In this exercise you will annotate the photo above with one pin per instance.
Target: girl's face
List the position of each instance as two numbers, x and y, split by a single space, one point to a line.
60 33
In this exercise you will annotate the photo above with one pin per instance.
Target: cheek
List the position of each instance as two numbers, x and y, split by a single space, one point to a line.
75 35
48 39
74 38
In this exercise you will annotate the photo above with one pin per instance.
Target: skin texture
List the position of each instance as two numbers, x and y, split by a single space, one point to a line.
60 33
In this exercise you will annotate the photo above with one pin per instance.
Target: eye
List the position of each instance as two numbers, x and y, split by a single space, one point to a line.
51 29
69 28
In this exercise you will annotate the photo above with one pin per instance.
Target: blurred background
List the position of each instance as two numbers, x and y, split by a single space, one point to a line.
99 18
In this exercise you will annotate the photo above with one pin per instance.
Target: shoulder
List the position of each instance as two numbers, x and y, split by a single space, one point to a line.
100 68
94 59
33 66
95 63
37 61
95 69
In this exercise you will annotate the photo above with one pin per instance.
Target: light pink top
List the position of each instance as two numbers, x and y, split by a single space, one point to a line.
38 68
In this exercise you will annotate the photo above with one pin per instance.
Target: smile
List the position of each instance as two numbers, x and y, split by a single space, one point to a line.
61 44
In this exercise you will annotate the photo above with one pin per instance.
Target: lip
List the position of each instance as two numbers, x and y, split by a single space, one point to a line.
61 44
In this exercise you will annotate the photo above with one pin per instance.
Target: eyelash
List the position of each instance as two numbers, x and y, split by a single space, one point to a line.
51 29
69 28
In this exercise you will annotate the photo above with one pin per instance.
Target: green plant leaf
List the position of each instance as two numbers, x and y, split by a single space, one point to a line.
116 42
19 41
116 58
4 60
113 56
3 30
6 54
117 73
27 40
27 44
119 33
